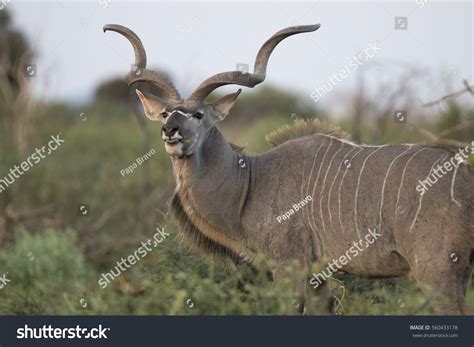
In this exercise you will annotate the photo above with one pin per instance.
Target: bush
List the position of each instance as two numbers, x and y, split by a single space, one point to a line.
45 271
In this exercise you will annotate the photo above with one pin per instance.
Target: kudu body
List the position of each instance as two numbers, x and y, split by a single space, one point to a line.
228 202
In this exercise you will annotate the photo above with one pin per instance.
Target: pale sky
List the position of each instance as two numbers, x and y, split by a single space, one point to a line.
194 40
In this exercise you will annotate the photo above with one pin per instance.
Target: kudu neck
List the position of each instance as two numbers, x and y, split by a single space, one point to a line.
213 183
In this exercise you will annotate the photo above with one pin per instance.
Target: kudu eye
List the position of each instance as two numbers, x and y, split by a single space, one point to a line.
198 115
164 114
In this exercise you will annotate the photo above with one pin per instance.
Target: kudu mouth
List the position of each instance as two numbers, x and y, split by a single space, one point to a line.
178 146
173 139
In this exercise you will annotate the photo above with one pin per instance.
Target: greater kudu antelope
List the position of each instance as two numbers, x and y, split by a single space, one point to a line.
227 201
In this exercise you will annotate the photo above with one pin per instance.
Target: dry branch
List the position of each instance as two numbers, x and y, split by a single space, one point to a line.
467 88
440 140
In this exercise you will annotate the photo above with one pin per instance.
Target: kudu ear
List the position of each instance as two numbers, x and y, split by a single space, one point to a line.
152 105
224 104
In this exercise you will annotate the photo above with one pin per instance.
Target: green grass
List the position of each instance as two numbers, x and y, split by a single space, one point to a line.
50 275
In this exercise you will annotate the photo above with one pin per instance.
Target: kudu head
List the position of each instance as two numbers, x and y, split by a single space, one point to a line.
187 122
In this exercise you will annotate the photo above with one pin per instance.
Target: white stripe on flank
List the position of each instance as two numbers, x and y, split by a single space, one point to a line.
309 181
303 171
316 182
340 185
313 229
312 168
403 177
324 186
357 188
385 182
452 185
421 197
334 181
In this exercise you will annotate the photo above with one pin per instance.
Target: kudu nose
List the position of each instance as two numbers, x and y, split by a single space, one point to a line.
170 129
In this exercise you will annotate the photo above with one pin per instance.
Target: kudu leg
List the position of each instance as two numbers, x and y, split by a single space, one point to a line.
318 301
306 299
445 284
311 301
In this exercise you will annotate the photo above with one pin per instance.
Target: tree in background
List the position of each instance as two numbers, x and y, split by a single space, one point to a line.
16 104
17 108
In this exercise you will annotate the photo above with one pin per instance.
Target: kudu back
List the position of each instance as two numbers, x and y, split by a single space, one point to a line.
316 196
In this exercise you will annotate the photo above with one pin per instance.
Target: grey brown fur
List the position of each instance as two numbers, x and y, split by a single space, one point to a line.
227 201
